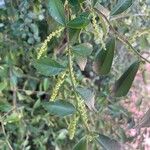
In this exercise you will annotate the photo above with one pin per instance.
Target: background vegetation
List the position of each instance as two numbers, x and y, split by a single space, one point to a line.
60 68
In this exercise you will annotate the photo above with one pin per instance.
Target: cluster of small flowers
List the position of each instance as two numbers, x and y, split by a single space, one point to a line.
98 33
49 37
60 81
82 110
72 126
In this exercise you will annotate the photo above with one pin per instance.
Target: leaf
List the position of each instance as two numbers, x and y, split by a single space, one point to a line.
121 6
81 145
4 71
109 144
3 85
117 110
88 97
81 61
123 84
74 35
104 59
5 107
48 67
75 5
84 49
37 104
79 22
13 118
59 108
46 84
17 72
56 10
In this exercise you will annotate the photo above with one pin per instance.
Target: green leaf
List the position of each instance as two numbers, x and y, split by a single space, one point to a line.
108 144
81 1
17 72
5 107
59 108
56 10
13 118
81 145
116 110
46 84
3 85
84 49
37 104
79 22
121 6
4 71
88 96
48 67
104 59
74 35
75 6
123 84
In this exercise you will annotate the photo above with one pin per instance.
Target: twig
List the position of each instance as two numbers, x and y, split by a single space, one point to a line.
4 132
34 92
14 97
128 15
8 112
120 37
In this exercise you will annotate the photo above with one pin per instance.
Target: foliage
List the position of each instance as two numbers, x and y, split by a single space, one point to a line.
60 63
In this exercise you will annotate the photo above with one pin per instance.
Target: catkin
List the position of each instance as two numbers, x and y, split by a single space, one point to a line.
82 110
98 34
71 70
72 126
60 81
72 74
49 37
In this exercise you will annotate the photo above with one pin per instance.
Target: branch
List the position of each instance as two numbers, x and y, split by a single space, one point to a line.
71 73
120 37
